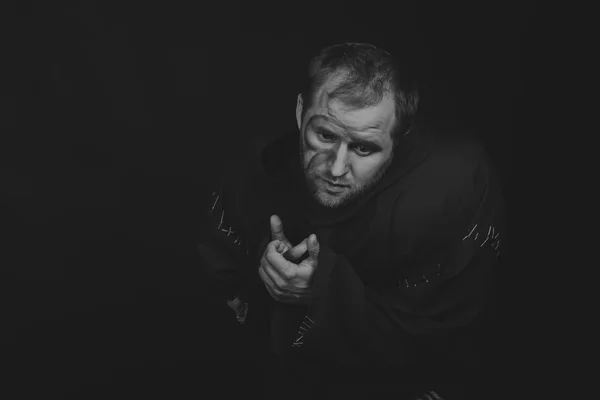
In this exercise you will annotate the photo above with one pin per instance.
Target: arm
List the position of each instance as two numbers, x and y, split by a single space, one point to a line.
378 324
225 250
230 244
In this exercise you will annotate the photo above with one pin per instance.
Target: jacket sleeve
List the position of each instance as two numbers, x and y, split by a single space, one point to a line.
232 237
226 252
350 322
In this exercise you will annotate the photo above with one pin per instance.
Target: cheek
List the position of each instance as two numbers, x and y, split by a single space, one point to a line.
366 168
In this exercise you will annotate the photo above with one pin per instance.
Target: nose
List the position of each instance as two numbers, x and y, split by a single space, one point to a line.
340 161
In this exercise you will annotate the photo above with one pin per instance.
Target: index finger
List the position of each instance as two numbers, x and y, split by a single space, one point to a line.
277 229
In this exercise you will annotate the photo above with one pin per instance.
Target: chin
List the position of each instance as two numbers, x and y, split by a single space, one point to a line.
326 202
331 201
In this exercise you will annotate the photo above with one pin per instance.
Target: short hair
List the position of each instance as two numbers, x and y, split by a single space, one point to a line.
368 73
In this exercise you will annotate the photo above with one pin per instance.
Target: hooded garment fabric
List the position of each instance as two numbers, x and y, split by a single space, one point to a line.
403 272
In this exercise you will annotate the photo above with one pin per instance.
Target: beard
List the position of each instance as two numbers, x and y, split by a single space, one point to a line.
349 195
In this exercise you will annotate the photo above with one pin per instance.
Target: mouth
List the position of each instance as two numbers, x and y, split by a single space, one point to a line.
333 188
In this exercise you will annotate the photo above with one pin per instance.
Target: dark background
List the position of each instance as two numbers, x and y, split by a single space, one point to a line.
118 121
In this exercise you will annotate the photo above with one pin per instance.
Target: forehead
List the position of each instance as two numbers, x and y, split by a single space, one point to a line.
378 119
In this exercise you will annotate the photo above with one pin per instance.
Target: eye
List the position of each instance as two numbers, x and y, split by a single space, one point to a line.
326 136
363 150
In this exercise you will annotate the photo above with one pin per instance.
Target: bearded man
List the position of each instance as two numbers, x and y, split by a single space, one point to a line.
361 245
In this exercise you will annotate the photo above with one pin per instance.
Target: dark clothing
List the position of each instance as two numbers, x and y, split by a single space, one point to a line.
403 272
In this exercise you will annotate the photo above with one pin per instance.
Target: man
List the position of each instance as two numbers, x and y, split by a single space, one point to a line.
364 246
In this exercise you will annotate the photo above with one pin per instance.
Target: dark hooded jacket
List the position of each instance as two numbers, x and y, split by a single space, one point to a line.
403 273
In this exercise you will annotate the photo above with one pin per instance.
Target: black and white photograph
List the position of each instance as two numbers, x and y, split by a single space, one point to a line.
269 200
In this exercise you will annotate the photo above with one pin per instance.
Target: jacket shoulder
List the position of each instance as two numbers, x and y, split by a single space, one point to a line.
440 197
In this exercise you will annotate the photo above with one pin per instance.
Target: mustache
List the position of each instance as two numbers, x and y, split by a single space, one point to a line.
333 182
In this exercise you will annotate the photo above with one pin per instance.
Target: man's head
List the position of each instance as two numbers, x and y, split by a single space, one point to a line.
354 109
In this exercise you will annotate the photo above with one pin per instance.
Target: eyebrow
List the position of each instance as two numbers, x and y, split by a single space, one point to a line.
335 121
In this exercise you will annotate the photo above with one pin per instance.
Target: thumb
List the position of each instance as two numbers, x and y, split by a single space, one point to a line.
297 252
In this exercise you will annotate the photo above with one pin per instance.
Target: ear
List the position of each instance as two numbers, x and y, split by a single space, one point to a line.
299 109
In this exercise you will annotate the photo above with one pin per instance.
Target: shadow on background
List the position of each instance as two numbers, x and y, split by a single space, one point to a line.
133 109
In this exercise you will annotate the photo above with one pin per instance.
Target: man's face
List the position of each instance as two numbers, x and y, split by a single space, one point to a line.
344 152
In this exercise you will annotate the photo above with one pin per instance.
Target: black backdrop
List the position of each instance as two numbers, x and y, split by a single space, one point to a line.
124 114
